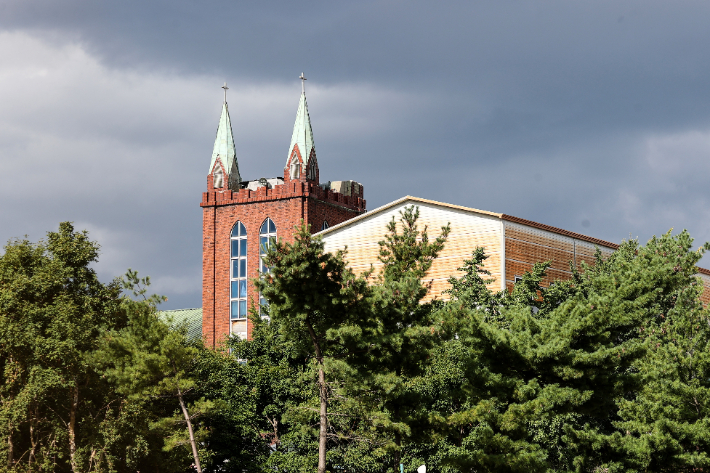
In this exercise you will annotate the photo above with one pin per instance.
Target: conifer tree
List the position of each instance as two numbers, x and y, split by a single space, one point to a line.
278 387
664 424
373 341
312 293
400 333
148 360
551 382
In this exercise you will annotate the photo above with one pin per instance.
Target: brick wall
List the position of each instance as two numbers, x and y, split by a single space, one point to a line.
286 205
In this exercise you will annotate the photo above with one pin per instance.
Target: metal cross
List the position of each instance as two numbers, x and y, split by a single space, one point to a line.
303 83
225 92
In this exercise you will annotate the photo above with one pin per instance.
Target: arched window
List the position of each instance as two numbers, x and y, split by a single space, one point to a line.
312 169
295 167
218 177
238 280
267 236
325 225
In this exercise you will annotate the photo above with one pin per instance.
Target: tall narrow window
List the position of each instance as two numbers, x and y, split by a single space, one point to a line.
238 281
295 167
312 169
267 236
324 226
218 177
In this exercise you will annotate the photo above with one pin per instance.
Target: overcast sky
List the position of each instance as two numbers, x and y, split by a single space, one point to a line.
593 116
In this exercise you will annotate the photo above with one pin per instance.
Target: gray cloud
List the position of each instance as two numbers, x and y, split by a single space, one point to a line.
590 116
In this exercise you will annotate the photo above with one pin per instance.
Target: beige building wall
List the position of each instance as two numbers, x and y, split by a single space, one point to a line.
517 242
469 229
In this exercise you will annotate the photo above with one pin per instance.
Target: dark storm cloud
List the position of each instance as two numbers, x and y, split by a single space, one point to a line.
592 116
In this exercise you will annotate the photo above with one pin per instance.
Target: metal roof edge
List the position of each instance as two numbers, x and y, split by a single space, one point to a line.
509 218
399 201
179 310
457 207
560 231
506 217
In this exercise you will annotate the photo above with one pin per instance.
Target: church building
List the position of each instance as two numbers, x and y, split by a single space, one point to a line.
241 217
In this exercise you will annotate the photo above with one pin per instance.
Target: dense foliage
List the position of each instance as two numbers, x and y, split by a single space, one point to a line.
57 410
608 371
92 380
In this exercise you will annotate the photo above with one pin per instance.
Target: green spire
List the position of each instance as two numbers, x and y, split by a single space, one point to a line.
302 133
224 148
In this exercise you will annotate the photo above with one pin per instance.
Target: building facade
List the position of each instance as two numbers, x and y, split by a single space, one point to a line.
513 245
240 219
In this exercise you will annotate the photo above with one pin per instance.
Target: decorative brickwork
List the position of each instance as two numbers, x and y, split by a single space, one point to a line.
303 173
286 205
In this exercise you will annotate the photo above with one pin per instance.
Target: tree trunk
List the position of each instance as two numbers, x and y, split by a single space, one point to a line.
74 400
323 419
322 388
398 452
275 424
33 438
189 429
10 449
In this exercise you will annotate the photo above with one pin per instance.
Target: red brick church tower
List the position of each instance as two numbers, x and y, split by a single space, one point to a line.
239 219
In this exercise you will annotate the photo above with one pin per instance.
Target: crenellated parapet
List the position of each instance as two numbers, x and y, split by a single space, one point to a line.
289 190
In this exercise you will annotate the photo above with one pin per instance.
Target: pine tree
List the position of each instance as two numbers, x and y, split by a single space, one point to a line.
550 383
400 334
272 380
371 342
317 303
149 360
664 425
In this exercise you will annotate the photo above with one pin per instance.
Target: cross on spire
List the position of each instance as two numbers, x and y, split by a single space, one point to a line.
223 151
225 91
302 138
303 83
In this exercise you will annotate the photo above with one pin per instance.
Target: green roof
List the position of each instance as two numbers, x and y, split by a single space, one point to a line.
302 133
191 318
224 146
